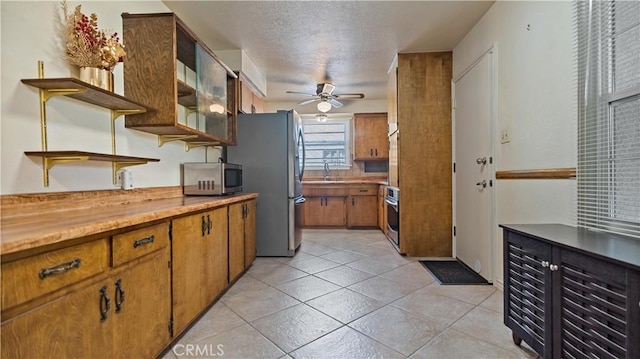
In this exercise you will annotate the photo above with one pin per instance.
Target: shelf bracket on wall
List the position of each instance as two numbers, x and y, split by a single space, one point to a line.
162 139
117 113
190 145
49 162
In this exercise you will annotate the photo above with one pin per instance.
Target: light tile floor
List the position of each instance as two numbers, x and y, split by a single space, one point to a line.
348 294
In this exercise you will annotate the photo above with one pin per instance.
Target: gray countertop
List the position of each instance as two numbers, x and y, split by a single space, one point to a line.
621 249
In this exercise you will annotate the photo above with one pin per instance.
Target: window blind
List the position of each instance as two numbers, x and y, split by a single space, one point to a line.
608 59
327 142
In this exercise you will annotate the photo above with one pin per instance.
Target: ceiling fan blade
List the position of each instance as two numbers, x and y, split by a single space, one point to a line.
350 96
327 88
335 103
306 102
301 93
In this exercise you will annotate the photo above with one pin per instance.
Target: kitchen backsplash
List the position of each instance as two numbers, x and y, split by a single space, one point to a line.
356 170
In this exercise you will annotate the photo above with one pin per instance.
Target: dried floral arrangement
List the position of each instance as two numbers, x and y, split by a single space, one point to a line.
86 44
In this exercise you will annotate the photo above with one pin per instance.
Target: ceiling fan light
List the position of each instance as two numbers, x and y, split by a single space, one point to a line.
321 117
324 106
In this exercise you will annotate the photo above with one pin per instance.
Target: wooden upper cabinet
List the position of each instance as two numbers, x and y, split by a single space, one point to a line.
370 136
193 94
250 102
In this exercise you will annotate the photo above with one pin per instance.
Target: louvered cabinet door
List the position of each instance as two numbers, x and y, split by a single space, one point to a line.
527 296
596 306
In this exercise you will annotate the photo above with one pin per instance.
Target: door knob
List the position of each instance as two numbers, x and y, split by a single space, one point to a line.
482 184
481 161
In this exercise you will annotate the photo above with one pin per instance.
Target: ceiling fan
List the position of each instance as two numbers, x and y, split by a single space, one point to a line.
324 94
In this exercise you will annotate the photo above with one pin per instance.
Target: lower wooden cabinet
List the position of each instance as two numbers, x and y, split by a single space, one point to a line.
118 313
242 237
200 263
572 293
126 294
363 211
325 212
70 327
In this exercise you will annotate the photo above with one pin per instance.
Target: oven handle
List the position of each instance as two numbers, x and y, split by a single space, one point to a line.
392 203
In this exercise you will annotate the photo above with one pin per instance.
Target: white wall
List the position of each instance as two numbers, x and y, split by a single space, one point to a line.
536 104
29 33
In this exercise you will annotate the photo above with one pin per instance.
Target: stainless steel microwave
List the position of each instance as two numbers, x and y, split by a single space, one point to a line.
211 178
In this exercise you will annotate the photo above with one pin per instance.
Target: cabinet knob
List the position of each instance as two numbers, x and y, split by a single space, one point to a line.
544 264
553 267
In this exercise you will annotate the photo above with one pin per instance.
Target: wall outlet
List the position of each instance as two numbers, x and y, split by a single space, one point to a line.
505 136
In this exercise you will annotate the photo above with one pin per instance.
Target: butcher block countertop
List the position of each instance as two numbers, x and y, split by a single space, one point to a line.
37 220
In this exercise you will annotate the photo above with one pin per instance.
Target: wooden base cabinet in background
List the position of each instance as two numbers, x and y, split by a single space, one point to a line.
363 206
117 312
325 211
242 237
572 293
200 263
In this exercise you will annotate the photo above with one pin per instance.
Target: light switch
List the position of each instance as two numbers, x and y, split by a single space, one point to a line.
505 136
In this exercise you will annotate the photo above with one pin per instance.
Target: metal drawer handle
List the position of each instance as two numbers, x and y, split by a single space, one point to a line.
544 264
143 241
204 226
105 303
210 225
364 190
119 295
553 267
60 268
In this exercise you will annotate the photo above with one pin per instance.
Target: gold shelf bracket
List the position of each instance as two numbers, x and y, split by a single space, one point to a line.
117 166
190 145
47 94
117 113
49 162
162 139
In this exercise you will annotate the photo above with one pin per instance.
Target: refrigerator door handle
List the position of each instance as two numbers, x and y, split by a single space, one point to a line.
300 200
304 155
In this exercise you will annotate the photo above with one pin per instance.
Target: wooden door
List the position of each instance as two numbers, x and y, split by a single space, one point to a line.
363 211
334 212
592 308
191 268
217 256
236 240
528 291
246 98
394 159
141 304
250 233
68 327
258 104
313 211
381 207
474 168
370 137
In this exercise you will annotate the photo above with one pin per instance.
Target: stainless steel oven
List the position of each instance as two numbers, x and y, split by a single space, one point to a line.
392 200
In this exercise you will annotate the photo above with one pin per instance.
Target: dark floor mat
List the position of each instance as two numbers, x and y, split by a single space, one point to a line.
453 272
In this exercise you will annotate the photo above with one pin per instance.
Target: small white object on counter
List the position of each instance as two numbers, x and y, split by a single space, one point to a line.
126 179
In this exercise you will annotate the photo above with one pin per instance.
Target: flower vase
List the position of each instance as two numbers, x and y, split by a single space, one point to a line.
97 77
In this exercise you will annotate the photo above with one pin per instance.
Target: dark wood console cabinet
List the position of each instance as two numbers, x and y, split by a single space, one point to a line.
571 292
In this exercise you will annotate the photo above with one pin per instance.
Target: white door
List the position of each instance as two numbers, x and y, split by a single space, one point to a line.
474 169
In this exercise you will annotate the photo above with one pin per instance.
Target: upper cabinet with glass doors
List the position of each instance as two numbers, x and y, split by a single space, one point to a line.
193 93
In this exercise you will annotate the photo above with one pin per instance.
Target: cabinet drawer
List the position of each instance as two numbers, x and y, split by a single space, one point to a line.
364 190
134 244
31 277
325 191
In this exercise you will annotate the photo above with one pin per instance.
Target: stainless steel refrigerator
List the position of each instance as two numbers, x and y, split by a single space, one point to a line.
270 148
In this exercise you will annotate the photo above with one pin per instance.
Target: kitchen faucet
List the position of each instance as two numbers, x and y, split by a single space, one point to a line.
326 171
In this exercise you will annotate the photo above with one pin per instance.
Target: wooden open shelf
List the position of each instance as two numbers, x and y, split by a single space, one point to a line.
186 95
84 92
90 156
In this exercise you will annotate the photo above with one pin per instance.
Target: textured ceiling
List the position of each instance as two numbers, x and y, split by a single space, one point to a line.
297 44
